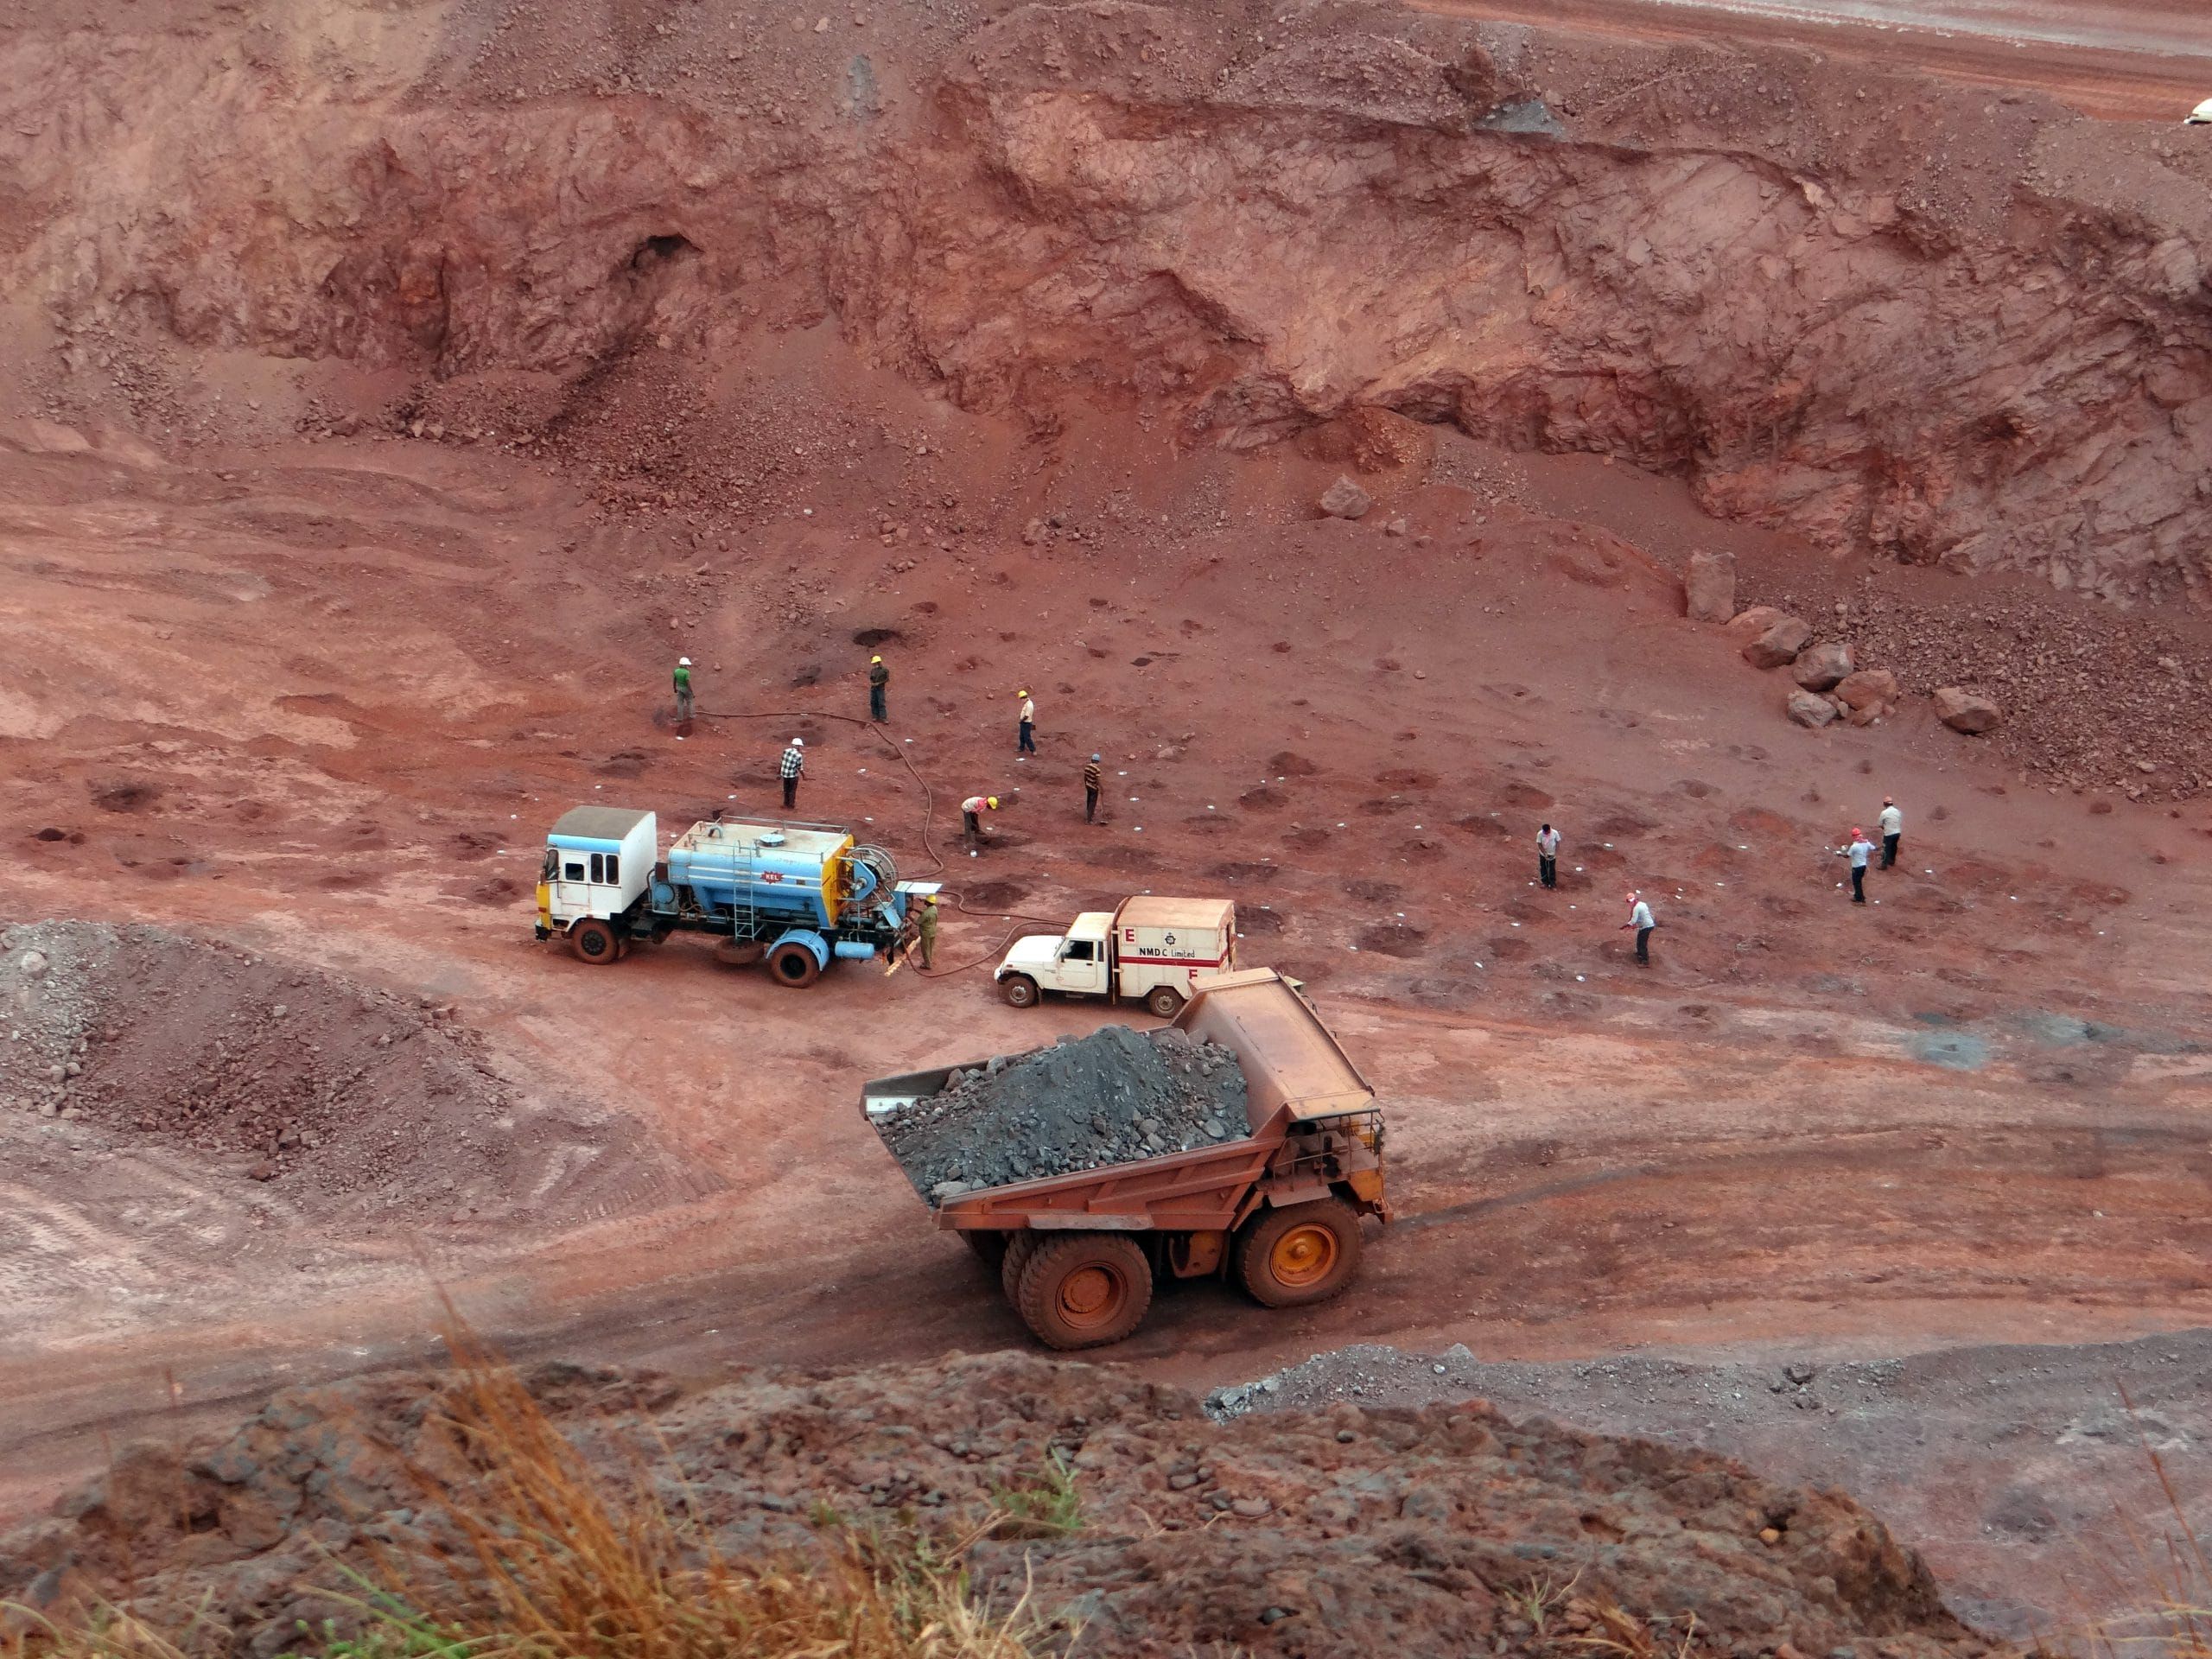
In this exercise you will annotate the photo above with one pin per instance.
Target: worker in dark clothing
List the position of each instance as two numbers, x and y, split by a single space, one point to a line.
879 677
1547 856
684 690
794 762
928 925
1091 777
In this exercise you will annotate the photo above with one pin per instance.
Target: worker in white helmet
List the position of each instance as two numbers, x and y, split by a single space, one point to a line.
1025 738
794 762
879 679
684 690
971 818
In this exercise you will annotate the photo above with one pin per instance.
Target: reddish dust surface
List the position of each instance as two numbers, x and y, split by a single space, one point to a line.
2121 60
321 702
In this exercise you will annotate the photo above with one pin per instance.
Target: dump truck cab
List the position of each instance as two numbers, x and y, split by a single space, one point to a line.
1150 949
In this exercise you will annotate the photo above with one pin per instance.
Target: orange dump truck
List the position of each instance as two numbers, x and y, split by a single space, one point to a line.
1277 1209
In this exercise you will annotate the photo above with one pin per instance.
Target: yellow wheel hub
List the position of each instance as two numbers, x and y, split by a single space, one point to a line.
1304 1255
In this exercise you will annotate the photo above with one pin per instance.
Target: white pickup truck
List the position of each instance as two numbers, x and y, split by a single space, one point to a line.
1149 949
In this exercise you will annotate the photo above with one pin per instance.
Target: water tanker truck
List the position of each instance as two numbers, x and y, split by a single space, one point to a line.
798 896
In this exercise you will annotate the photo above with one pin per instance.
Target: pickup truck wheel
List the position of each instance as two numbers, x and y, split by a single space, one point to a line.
794 965
1308 1253
1020 990
594 942
1164 1001
1083 1290
1019 1249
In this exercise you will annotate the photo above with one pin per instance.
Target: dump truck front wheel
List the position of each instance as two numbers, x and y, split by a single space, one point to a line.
594 941
1020 990
1019 1249
794 965
1289 1258
1164 1001
1083 1290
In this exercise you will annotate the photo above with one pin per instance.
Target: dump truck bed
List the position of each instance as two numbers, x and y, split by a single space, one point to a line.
1294 1072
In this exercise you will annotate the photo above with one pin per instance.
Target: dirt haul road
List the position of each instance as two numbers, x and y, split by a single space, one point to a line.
349 536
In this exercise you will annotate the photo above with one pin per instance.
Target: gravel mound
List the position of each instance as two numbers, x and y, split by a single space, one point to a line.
1111 1097
1338 1534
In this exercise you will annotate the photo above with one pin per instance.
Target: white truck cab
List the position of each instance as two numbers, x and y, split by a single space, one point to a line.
599 861
1150 949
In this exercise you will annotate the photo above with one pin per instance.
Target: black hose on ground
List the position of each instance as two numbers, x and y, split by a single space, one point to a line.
929 810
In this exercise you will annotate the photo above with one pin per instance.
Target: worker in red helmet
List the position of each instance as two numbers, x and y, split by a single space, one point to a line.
1640 919
1857 849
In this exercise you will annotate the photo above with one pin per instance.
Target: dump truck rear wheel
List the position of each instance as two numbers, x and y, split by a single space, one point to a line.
1308 1253
794 965
1164 1001
1019 1249
1020 990
989 1247
594 942
1083 1290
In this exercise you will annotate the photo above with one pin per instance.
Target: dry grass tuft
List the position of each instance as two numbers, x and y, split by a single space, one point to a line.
553 1564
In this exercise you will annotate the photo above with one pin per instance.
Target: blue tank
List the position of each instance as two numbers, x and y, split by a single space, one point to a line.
769 876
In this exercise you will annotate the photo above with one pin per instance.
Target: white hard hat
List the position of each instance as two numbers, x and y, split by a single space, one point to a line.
798 742
683 662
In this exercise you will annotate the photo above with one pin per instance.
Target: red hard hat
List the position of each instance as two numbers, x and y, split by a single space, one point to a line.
1629 897
1856 830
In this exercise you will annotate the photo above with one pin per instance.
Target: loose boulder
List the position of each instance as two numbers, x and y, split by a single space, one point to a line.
1820 668
1748 624
1810 708
1868 687
1967 711
1345 499
1779 646
1709 587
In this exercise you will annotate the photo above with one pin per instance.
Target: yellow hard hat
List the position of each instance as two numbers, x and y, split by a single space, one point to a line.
931 899
876 659
1023 692
991 801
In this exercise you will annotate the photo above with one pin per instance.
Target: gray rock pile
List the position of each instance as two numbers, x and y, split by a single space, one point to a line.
1112 1097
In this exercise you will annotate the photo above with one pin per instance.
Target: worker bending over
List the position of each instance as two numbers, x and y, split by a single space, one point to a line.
971 817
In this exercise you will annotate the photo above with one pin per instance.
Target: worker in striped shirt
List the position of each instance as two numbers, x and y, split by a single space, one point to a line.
1091 779
794 762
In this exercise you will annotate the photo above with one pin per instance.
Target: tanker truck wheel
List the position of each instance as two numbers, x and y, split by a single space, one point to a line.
1083 1290
1308 1253
1164 1001
1019 991
794 965
594 942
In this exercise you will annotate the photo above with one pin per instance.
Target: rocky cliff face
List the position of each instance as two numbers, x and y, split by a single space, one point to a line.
1347 1532
1879 312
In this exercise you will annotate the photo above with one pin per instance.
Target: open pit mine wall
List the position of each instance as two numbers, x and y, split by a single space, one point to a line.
1789 292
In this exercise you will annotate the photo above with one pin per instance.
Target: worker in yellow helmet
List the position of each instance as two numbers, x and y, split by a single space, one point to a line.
971 819
879 677
1027 739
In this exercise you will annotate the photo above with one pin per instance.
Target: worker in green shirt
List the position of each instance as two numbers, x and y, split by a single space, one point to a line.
684 690
929 929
